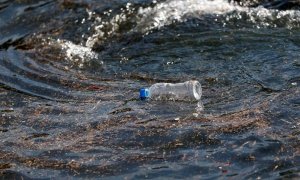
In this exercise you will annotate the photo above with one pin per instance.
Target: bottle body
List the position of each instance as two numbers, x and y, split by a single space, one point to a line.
187 91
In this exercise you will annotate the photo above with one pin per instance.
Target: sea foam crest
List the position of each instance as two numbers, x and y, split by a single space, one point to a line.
162 14
180 10
170 11
166 13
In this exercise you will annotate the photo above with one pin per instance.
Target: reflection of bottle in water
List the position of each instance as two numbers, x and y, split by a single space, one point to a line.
187 91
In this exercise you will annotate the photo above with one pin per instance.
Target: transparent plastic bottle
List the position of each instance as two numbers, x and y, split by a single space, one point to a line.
187 91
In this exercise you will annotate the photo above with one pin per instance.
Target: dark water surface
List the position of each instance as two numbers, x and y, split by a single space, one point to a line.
70 72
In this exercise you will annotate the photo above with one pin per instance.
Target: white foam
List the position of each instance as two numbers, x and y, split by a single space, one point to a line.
77 53
170 11
180 10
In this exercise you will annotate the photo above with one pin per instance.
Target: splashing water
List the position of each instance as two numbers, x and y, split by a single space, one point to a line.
175 11
77 53
171 11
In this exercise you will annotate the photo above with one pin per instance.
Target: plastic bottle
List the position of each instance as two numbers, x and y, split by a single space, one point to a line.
187 91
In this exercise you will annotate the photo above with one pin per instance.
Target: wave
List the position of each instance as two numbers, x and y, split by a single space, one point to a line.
145 19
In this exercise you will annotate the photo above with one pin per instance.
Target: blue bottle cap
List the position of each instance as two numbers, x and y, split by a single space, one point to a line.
144 93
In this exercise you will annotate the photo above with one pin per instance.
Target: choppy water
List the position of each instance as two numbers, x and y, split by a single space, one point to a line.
70 73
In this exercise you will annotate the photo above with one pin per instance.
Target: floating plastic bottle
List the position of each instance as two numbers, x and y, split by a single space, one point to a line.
187 91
